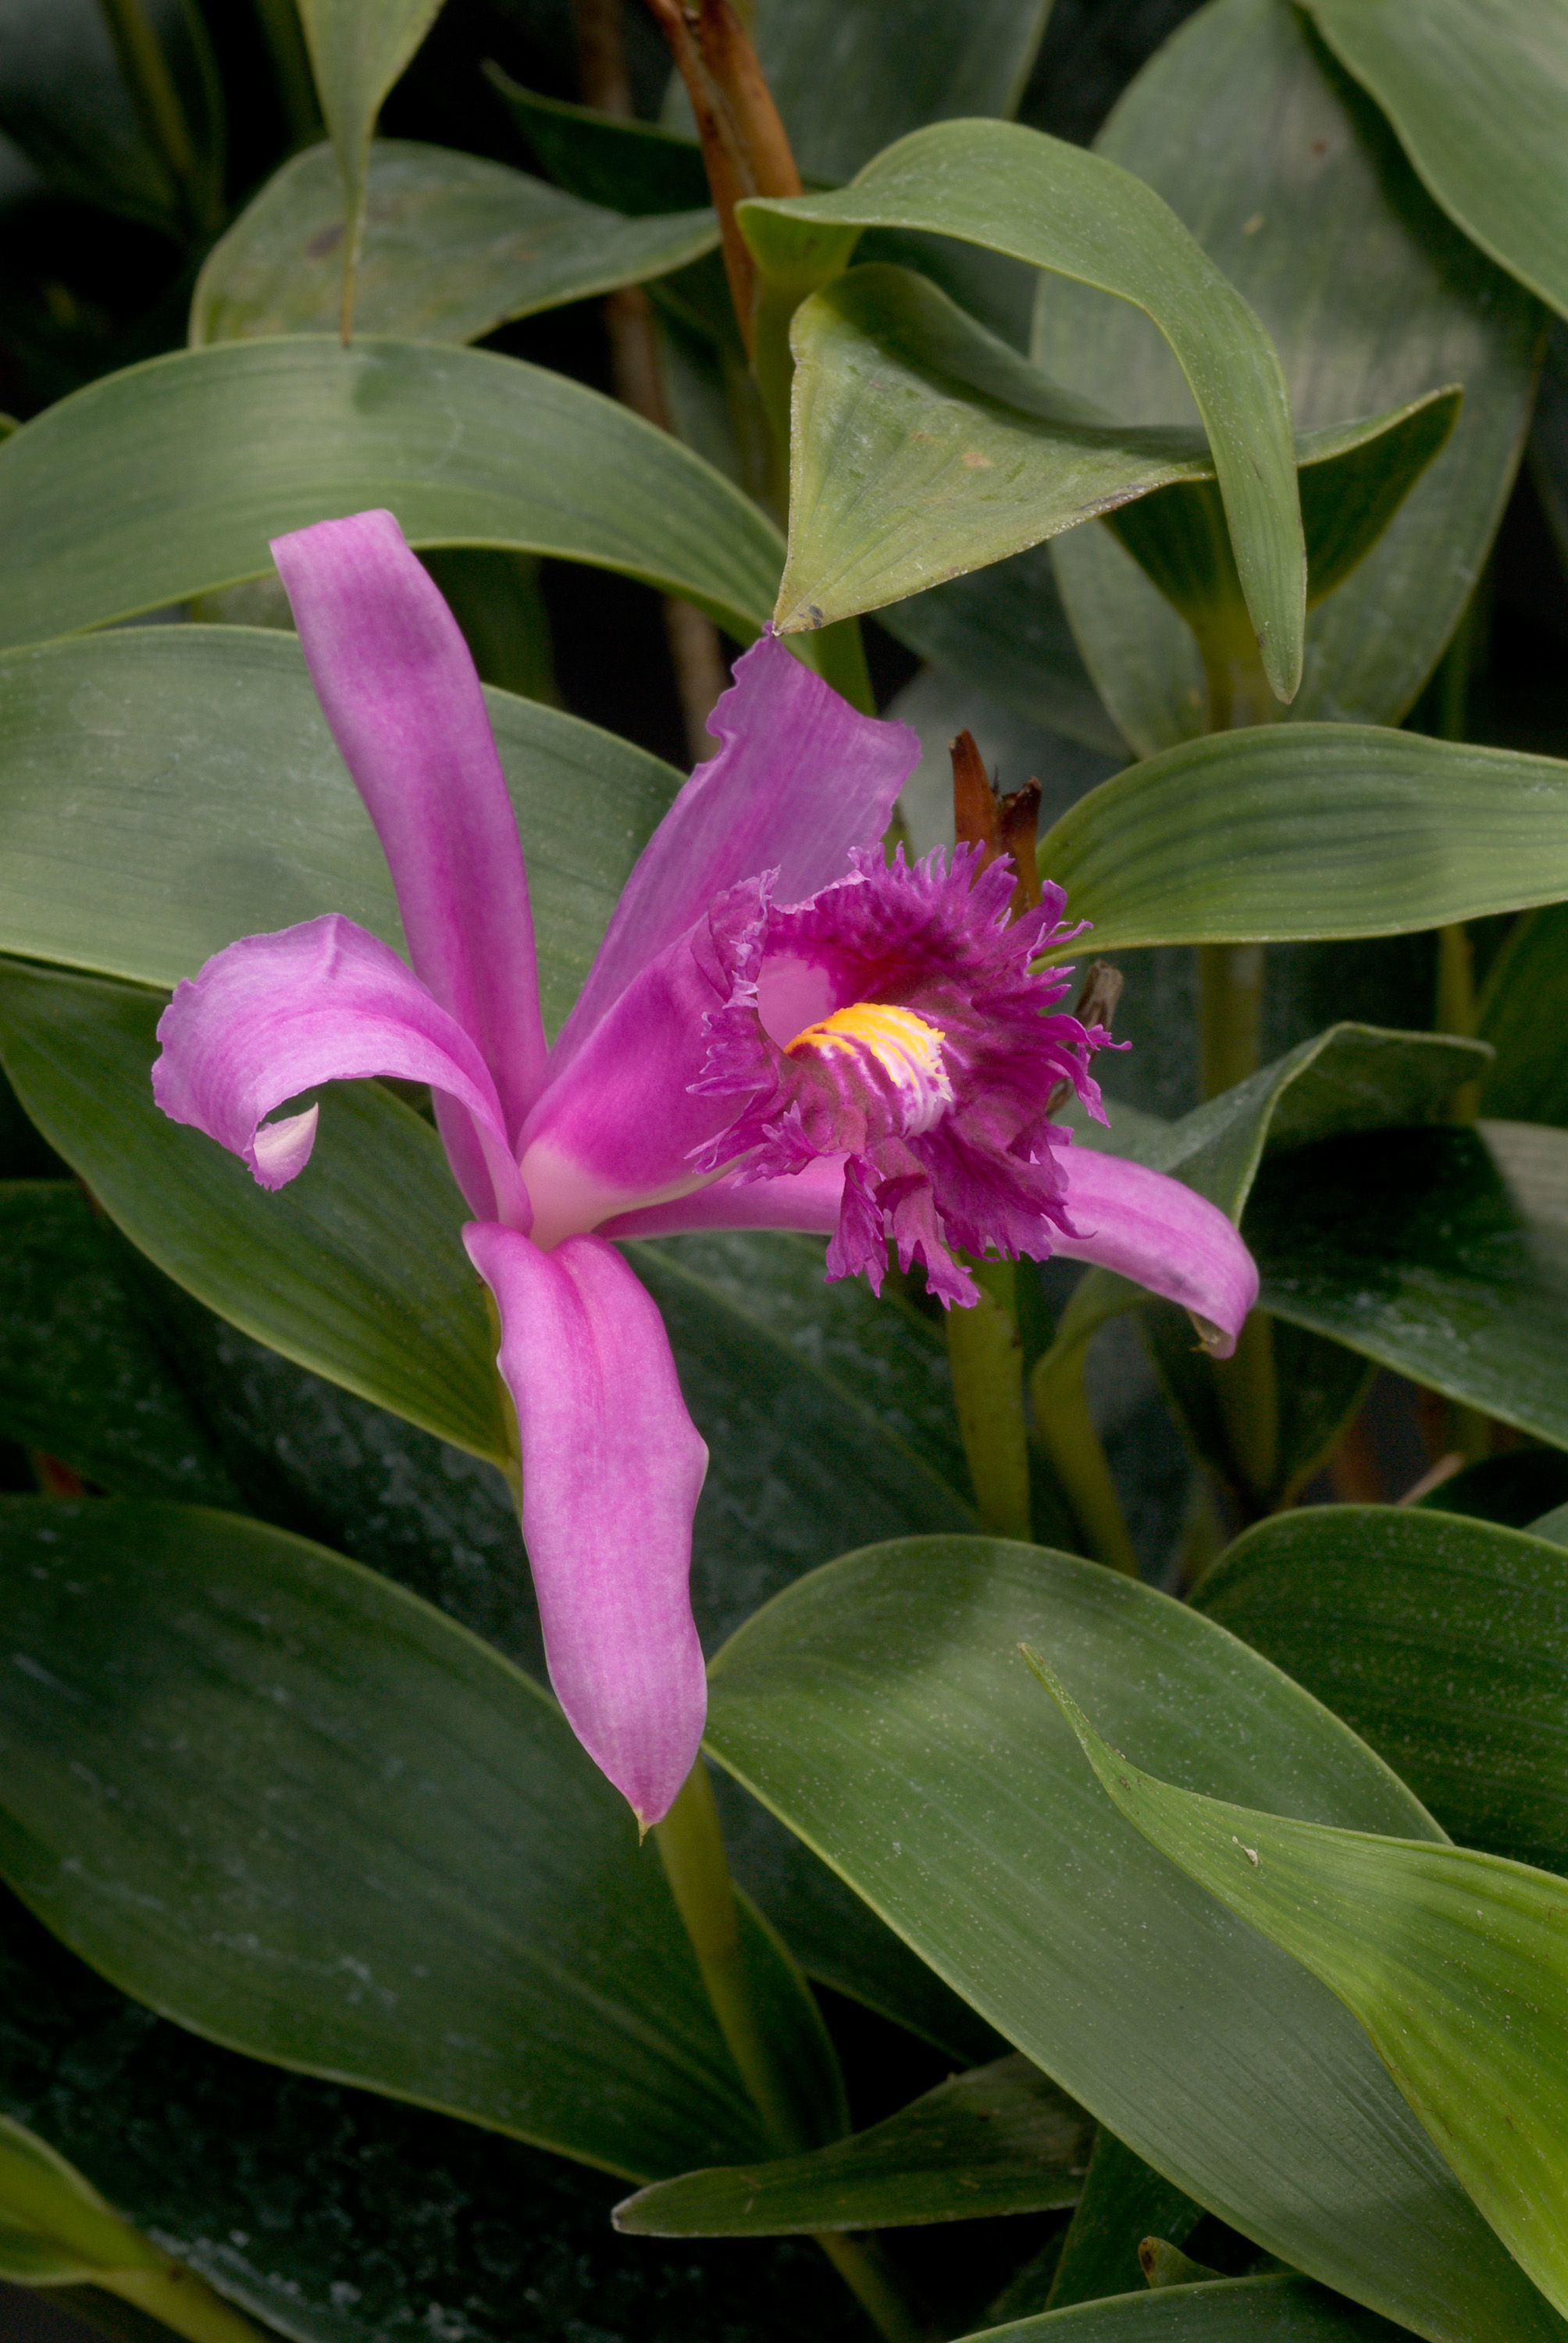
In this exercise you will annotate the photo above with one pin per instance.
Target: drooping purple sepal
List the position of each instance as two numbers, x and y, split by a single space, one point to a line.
612 1467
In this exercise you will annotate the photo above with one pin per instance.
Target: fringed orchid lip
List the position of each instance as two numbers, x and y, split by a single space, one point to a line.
778 1031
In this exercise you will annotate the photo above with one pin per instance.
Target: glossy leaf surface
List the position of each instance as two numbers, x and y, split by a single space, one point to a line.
922 447
999 2139
278 1798
80 1375
1041 201
1454 1962
1520 1013
1297 189
1237 2310
126 495
1445 1643
1443 1254
357 49
164 789
453 246
357 1271
880 1707
1478 91
1311 831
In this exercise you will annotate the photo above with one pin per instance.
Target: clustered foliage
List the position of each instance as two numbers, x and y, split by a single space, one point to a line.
1127 1885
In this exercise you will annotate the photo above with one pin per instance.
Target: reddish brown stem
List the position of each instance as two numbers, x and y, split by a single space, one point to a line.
982 817
744 146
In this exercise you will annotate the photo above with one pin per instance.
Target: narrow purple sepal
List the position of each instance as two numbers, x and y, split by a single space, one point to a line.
395 679
612 1469
1161 1234
271 1016
801 778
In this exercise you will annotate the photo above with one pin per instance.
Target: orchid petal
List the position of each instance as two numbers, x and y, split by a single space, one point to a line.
612 1468
271 1016
801 778
394 676
622 1122
809 1200
1161 1234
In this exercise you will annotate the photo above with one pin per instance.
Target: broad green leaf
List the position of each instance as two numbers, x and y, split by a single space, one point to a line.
453 246
1060 210
999 2139
848 82
1123 2201
1004 631
164 789
1311 831
292 1806
1443 1641
126 496
1454 1962
357 49
923 446
63 101
1275 2310
1477 92
1443 1254
80 1374
340 2217
880 1708
1520 1013
53 2227
1296 190
627 167
357 1271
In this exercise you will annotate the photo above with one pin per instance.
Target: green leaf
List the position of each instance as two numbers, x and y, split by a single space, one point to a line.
1123 2200
1311 831
1443 1641
164 789
1477 92
80 1375
1297 190
848 83
1520 1012
1454 1962
880 1708
53 2227
1348 1077
453 246
1276 2309
357 50
1004 631
357 1271
1018 192
126 496
627 167
295 1808
922 447
1443 1254
999 2139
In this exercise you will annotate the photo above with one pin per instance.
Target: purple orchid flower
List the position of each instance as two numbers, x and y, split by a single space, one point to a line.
779 1031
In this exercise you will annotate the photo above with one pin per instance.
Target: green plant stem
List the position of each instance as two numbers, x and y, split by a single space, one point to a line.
157 101
691 1848
1247 1388
1065 1425
182 2302
1229 1014
986 1355
280 27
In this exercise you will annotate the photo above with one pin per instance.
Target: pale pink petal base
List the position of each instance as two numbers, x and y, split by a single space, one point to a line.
612 1469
